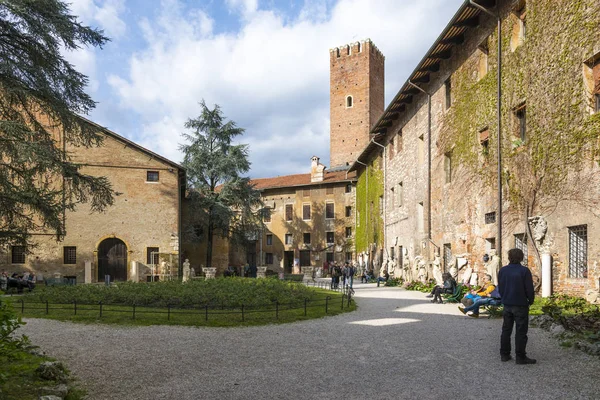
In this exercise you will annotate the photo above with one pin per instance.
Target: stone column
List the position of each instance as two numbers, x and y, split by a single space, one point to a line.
209 273
134 277
88 271
308 273
261 272
546 275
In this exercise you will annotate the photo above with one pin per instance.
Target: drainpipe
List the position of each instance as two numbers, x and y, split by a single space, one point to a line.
499 116
428 160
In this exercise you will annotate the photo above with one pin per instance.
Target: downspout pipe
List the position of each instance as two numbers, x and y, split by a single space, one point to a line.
428 159
499 116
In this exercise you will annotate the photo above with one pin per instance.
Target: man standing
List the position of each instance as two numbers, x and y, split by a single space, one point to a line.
515 285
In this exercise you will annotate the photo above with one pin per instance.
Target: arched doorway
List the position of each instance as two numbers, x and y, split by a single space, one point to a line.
112 259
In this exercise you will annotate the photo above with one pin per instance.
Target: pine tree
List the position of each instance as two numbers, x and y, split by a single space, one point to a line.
42 94
219 196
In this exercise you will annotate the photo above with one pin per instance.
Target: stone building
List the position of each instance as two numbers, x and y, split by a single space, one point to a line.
142 228
440 162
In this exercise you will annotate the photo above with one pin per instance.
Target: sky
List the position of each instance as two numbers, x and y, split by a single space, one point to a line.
264 62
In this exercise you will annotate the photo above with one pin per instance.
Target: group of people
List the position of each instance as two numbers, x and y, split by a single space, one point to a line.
344 273
514 291
27 280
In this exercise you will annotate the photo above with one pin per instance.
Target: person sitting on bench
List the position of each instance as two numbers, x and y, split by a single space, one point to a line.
448 288
473 311
383 278
474 295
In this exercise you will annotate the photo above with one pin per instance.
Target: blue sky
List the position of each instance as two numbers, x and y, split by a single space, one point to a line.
265 62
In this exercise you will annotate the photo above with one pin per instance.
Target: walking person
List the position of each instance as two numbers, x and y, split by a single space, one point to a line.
515 285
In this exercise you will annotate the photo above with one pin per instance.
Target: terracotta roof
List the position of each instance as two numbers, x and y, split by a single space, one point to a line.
300 180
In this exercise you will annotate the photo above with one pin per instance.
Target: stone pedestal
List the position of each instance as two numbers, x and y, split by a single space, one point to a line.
261 272
209 273
88 272
308 273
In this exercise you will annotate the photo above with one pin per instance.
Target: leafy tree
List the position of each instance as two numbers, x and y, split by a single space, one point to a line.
226 202
40 96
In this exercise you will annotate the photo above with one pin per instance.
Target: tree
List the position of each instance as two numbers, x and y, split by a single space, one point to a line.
219 196
40 96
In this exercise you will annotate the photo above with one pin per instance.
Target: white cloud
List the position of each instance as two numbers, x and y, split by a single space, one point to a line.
105 13
271 77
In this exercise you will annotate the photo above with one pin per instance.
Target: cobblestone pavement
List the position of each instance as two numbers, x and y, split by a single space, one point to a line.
397 345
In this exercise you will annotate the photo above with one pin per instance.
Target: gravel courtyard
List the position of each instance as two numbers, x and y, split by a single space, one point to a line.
397 345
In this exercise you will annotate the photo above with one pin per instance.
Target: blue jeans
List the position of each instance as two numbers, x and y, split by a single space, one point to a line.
481 302
380 279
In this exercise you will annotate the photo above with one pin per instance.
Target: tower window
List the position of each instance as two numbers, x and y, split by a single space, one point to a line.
348 101
448 90
520 115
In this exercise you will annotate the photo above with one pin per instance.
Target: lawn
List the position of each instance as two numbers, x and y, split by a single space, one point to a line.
216 302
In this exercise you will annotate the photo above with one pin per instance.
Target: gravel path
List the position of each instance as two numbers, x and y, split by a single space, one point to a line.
397 345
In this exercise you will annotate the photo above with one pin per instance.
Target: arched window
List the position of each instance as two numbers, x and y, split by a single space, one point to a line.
348 101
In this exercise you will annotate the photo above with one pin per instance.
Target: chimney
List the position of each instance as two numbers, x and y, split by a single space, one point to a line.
317 170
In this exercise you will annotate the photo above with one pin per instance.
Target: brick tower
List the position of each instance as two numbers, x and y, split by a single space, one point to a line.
356 98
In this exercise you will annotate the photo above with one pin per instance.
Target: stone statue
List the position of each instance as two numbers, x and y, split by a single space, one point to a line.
437 271
474 279
493 266
192 272
539 227
466 276
186 271
420 268
453 270
164 268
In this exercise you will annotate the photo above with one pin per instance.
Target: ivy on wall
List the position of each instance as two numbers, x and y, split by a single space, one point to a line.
369 226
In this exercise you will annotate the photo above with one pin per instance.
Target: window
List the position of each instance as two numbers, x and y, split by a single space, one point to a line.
399 143
448 167
447 255
152 255
519 30
305 258
289 212
348 101
490 217
391 149
329 236
269 240
349 256
484 140
393 253
520 116
18 254
348 211
306 212
490 244
306 193
392 197
269 258
578 251
69 255
329 211
306 237
348 232
288 239
348 188
381 205
151 176
448 91
267 215
329 257
521 243
483 59
400 194
329 190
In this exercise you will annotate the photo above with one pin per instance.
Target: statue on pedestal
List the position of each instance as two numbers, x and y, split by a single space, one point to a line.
186 271
437 271
493 266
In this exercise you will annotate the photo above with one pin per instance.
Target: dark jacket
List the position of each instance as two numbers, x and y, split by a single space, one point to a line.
449 285
515 285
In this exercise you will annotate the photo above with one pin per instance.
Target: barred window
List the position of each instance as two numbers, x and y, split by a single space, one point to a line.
521 243
18 254
269 258
447 255
305 258
330 238
151 176
329 211
306 238
348 211
393 253
289 212
152 255
578 251
267 215
490 218
306 212
348 232
69 255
